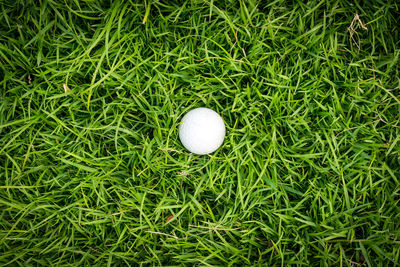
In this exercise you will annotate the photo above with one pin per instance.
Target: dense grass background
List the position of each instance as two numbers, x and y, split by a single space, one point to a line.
91 168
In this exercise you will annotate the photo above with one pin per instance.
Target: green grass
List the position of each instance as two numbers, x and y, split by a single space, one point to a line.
91 168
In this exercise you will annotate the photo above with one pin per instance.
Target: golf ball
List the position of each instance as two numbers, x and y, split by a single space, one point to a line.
202 131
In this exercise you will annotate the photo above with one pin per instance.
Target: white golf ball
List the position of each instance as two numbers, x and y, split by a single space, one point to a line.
202 131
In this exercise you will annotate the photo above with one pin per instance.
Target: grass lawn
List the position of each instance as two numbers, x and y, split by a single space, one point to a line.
92 172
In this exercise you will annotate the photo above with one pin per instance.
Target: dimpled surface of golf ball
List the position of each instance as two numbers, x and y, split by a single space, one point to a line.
202 131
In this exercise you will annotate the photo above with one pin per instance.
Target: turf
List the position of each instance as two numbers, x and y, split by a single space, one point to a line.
91 168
